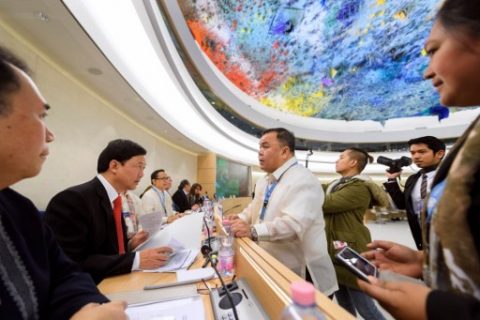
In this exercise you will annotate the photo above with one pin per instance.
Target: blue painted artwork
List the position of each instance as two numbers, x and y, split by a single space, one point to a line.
331 59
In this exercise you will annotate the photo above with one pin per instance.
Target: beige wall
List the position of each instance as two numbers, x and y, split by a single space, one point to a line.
83 124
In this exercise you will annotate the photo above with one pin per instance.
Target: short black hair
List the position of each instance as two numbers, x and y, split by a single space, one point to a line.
183 183
457 14
121 150
285 137
362 157
153 176
432 143
9 81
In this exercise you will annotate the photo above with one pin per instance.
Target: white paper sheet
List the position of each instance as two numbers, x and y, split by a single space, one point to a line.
195 274
186 230
151 222
182 309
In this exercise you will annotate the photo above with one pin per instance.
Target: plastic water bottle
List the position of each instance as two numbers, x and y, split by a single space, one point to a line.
303 303
219 210
227 225
226 258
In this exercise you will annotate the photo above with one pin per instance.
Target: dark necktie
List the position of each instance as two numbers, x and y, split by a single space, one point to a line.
117 215
423 186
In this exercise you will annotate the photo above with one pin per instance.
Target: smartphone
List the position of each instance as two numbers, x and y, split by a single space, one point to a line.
357 264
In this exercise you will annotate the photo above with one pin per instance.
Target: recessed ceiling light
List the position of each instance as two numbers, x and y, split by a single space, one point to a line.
95 71
42 16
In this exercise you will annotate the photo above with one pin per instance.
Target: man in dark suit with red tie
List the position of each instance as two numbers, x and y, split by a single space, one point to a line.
426 152
87 219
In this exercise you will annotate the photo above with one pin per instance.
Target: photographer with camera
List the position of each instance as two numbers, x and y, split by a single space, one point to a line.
426 152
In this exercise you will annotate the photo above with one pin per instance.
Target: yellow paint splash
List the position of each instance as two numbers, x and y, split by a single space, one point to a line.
400 15
292 98
333 72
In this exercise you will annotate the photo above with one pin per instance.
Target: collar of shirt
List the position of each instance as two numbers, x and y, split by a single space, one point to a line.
431 174
280 171
161 191
111 192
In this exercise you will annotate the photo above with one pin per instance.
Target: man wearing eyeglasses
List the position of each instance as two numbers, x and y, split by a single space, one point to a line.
87 219
157 199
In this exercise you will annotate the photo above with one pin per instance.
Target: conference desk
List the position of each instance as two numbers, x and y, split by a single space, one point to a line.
267 277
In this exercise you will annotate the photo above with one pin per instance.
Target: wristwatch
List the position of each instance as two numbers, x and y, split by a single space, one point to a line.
254 234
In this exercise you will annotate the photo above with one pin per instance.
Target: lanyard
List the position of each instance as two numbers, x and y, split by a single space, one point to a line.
268 193
161 197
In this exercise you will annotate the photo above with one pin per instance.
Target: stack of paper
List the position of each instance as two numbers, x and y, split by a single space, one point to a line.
183 236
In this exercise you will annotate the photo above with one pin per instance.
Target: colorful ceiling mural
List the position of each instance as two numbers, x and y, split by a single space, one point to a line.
331 59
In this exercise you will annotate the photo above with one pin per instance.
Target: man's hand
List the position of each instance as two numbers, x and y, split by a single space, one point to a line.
403 300
391 256
154 258
394 175
114 310
195 207
174 217
240 228
139 238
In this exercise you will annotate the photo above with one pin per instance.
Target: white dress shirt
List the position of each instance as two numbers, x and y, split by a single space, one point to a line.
155 200
112 195
417 200
293 228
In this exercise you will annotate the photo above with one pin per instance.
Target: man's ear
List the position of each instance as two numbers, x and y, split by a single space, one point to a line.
114 165
353 163
440 154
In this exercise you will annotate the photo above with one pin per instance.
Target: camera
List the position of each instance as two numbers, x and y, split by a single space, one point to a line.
395 165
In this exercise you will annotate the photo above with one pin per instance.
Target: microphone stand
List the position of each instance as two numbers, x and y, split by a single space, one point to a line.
310 152
213 262
206 250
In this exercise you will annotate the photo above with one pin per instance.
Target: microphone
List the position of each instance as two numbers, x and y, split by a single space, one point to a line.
206 250
209 238
212 258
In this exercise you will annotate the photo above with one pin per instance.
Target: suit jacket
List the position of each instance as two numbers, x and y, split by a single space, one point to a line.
81 218
53 286
403 200
181 201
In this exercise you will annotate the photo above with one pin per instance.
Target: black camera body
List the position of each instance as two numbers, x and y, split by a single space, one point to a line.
395 165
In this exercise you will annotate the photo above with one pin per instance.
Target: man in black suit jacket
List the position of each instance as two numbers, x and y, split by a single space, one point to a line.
426 152
180 198
37 280
82 216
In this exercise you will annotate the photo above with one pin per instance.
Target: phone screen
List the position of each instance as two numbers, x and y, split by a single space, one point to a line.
354 260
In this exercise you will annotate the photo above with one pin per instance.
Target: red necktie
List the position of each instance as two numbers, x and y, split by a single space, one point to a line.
117 215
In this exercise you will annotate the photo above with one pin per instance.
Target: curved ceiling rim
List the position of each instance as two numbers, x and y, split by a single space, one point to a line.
268 117
123 40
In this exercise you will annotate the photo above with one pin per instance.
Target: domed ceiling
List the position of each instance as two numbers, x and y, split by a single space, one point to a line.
330 59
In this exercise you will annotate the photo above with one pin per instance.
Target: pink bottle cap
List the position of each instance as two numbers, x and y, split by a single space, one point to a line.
303 293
